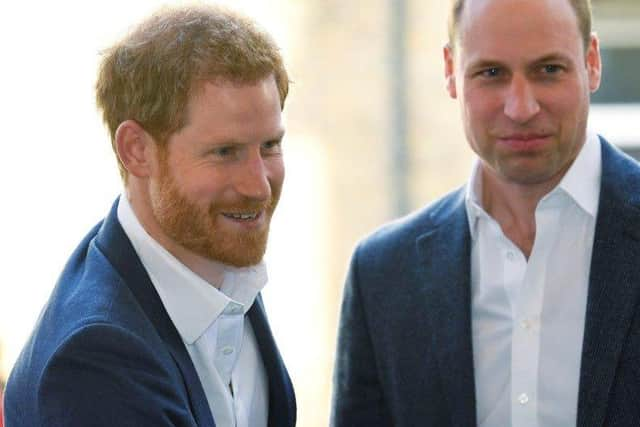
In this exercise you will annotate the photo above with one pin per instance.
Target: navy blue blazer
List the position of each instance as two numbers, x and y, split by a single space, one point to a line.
105 352
404 349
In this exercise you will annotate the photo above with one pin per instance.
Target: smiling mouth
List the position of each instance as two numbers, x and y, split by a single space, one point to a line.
244 216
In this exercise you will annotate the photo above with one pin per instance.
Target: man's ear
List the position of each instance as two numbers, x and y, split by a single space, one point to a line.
449 70
594 63
133 145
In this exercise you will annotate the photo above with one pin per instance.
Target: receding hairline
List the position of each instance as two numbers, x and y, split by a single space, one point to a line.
581 9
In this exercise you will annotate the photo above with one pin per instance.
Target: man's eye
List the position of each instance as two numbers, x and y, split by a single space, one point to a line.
551 69
491 72
272 146
223 151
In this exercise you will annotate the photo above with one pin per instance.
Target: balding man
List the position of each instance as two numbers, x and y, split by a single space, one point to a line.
513 301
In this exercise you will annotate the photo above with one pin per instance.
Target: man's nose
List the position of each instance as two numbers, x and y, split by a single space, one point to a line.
520 104
253 178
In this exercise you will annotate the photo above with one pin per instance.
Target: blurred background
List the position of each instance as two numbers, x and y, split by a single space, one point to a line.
371 135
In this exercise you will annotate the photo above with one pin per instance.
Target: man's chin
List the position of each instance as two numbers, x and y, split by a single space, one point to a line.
243 259
240 250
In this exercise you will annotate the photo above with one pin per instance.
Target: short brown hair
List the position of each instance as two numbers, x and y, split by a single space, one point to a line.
150 75
581 7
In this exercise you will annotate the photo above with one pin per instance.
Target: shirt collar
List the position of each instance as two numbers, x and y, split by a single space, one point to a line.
582 180
581 183
191 302
473 200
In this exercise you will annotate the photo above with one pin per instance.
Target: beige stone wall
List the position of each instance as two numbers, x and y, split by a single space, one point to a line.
338 101
440 157
341 100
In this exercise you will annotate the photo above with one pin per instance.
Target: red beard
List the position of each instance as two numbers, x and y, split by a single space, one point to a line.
202 230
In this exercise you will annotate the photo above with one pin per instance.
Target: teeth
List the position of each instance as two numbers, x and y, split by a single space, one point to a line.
242 216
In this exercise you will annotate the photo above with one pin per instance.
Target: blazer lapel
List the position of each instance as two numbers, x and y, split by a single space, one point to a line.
113 241
445 254
282 405
614 284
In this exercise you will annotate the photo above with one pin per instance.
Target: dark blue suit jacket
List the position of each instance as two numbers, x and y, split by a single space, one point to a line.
105 352
404 349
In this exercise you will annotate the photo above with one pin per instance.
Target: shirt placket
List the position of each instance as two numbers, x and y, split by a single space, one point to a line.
229 341
523 378
527 309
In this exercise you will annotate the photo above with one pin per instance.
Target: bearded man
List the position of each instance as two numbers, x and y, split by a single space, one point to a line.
157 318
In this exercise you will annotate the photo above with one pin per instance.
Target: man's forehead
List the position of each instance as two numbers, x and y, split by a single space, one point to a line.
224 91
502 25
511 10
200 86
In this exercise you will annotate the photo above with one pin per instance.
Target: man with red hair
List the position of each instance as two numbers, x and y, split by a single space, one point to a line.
157 319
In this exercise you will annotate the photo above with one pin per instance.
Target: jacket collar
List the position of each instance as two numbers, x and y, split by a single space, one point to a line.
282 403
114 243
446 283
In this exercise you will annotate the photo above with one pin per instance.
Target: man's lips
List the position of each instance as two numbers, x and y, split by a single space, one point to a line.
243 216
250 218
524 141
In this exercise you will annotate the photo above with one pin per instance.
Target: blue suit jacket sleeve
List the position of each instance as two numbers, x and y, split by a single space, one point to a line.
358 398
135 389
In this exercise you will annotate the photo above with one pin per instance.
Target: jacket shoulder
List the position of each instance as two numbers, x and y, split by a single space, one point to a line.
401 234
620 175
91 348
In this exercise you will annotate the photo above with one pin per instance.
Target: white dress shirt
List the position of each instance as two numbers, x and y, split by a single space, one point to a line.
213 326
528 316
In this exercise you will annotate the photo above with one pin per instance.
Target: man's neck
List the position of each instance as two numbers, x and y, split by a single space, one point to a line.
513 206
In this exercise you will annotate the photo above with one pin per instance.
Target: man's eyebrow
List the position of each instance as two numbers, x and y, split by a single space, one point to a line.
552 57
481 63
485 63
278 136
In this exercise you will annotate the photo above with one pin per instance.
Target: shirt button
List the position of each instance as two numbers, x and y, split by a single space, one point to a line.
234 308
523 399
227 350
510 256
526 324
